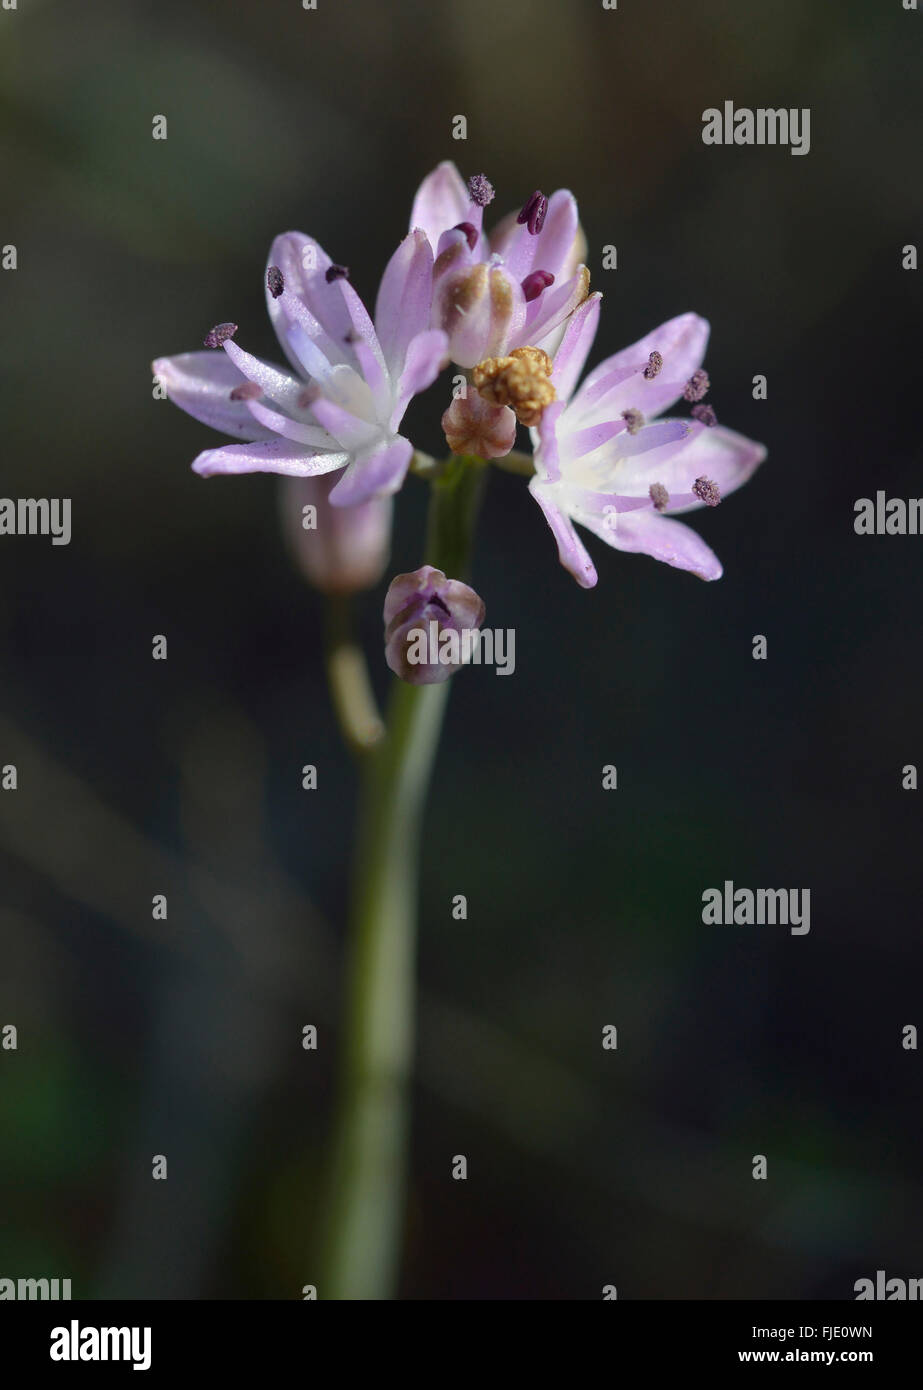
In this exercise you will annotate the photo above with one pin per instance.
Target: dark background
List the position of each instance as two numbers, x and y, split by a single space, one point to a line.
184 777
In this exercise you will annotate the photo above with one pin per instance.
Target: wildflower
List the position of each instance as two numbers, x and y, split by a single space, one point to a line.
353 379
511 290
604 462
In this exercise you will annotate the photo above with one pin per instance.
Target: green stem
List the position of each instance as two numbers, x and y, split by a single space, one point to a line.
348 679
366 1200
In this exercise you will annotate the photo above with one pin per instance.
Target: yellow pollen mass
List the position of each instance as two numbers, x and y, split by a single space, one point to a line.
521 381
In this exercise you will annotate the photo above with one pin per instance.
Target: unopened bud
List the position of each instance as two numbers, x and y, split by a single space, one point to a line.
477 307
473 426
339 550
431 625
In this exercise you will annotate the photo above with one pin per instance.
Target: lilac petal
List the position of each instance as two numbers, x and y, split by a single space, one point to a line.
630 463
545 443
435 673
554 243
279 386
516 249
341 384
634 461
405 588
341 315
549 311
646 532
299 258
515 245
425 356
466 607
348 550
308 351
329 313
455 241
723 456
504 233
374 472
311 435
454 254
522 252
409 594
571 356
463 307
351 431
681 342
508 313
661 440
201 384
589 507
402 309
593 437
269 456
442 202
571 550
376 376
593 400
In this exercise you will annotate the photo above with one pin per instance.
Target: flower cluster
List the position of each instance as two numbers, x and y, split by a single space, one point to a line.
513 310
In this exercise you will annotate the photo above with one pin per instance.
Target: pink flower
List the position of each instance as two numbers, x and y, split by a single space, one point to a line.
513 289
353 379
604 460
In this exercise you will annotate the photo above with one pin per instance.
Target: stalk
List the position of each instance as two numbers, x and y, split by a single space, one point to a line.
365 1213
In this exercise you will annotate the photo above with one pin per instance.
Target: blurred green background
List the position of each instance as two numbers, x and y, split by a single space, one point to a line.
184 777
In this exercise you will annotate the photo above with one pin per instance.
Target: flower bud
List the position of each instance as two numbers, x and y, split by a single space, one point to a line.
339 550
431 625
480 308
473 425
